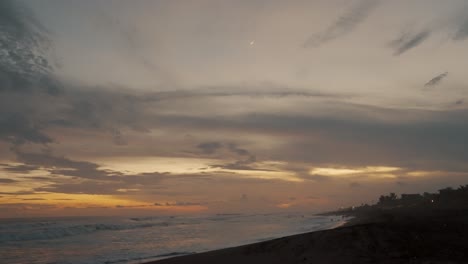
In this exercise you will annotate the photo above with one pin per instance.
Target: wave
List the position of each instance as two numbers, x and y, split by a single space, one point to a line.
48 231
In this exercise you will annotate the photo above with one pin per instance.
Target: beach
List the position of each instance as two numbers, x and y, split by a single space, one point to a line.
134 240
440 237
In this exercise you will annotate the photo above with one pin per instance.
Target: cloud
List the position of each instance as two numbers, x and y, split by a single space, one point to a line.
209 147
245 158
177 204
255 91
64 166
22 169
316 178
409 41
239 151
88 178
186 203
18 129
245 162
436 80
19 193
130 206
380 135
13 208
25 117
24 70
345 24
462 31
7 181
82 187
118 138
25 67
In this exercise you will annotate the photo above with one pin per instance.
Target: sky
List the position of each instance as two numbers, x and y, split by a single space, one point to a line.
187 107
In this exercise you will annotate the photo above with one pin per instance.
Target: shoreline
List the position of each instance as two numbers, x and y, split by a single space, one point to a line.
338 223
440 238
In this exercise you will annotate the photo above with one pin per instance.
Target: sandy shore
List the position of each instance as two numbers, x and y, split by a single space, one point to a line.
423 240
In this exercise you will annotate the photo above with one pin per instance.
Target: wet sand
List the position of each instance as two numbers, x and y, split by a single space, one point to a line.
424 238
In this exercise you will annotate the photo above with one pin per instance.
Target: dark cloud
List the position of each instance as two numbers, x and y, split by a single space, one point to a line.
25 67
462 31
40 178
26 117
262 91
409 41
135 183
118 138
129 206
209 147
344 24
239 151
436 80
22 169
64 166
177 204
18 193
13 208
239 165
7 181
245 162
186 203
24 70
83 187
430 139
18 129
89 178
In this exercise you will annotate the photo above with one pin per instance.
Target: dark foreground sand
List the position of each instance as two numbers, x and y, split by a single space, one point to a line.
426 239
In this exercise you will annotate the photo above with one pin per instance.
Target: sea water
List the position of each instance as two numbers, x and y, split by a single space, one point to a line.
140 239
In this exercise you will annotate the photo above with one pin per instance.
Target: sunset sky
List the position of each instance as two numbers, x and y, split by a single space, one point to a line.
168 107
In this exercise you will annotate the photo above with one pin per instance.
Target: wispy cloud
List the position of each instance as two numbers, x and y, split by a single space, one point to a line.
345 24
409 41
436 80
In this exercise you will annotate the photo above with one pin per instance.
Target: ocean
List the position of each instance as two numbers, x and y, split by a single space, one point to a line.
125 240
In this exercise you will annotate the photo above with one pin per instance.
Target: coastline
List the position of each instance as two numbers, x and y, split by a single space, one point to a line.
338 222
441 238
